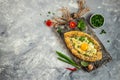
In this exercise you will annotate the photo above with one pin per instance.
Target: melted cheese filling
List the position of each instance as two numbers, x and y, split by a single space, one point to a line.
83 46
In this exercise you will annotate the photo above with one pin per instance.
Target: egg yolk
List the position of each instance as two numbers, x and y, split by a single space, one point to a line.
84 46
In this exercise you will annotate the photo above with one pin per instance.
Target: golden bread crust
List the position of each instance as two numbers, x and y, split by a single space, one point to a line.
95 57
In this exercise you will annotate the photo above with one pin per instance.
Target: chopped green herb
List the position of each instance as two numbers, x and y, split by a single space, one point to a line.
73 44
97 20
108 41
86 54
78 46
49 12
90 41
82 38
103 31
78 51
81 25
59 30
75 36
84 64
40 14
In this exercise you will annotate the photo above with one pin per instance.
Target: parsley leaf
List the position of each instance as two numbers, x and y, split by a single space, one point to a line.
103 31
84 64
49 12
82 38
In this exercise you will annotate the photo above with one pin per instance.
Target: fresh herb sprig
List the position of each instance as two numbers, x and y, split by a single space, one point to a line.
84 64
59 30
66 59
103 31
81 25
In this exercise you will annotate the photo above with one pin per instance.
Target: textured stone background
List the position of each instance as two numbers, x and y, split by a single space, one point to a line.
27 46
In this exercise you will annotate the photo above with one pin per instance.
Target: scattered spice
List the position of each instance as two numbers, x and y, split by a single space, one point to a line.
40 14
103 31
48 23
72 69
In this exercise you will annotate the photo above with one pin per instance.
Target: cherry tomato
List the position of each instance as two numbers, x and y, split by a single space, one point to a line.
72 24
48 23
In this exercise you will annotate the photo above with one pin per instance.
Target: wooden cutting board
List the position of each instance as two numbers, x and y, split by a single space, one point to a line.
105 55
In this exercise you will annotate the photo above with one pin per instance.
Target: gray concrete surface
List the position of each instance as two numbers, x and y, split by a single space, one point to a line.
27 46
